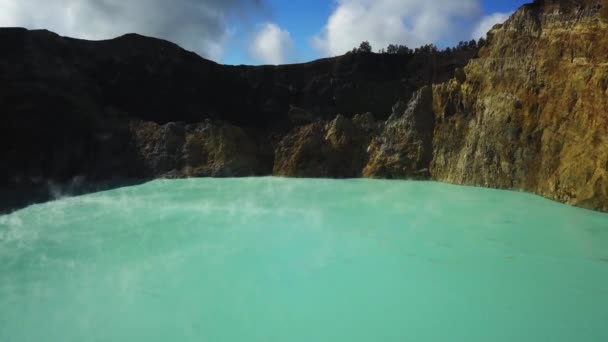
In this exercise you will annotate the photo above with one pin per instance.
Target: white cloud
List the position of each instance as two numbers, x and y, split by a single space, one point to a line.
198 25
271 44
383 22
486 23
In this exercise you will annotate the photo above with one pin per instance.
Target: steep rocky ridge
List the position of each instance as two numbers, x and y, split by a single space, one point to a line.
532 112
102 110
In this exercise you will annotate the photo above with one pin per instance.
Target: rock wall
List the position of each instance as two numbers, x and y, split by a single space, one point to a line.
400 147
531 113
335 149
207 149
404 147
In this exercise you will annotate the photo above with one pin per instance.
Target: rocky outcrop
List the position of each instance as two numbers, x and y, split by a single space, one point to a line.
334 149
532 112
404 148
208 149
400 147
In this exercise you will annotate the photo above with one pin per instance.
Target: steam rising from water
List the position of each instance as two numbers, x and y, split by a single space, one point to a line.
265 259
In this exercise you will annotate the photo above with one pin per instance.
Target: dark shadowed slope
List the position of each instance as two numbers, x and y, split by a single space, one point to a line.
68 106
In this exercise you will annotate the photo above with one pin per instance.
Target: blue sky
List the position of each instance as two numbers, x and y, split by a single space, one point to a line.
306 19
265 31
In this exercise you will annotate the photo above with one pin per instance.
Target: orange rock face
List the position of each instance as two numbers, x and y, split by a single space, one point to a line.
532 112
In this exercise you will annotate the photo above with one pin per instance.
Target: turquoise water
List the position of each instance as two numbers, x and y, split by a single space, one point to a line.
268 259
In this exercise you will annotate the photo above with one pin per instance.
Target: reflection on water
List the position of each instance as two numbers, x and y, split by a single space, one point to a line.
270 259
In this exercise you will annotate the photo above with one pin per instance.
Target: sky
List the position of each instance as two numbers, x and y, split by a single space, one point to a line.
266 31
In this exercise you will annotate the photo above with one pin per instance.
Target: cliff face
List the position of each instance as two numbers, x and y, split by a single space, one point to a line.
400 147
333 149
206 149
404 147
531 112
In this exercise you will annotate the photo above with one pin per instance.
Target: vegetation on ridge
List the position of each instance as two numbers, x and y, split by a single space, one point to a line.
399 49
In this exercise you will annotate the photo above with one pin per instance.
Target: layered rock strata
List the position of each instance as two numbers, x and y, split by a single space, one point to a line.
531 113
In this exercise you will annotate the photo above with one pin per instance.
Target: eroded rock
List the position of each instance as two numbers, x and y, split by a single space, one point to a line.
210 148
324 149
403 149
532 113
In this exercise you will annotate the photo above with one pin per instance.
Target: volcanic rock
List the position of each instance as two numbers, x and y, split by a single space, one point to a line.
533 112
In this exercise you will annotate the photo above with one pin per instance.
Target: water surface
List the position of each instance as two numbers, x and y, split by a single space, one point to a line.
269 259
